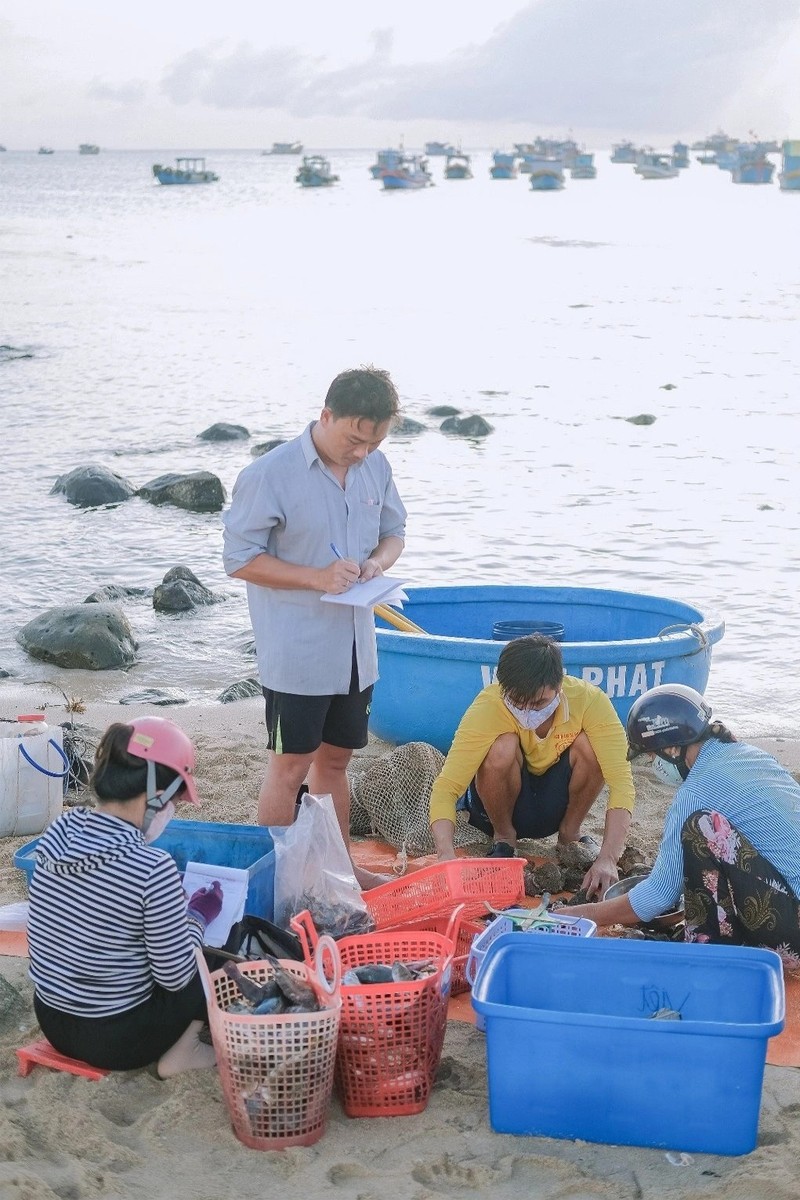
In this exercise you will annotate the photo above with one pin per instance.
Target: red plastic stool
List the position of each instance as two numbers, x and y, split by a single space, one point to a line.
43 1054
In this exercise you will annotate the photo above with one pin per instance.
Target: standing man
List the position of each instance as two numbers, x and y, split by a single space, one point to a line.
316 515
530 757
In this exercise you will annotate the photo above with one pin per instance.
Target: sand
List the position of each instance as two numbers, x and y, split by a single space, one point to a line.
132 1136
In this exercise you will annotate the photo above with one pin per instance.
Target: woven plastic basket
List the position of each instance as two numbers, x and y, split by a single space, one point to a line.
437 889
277 1071
391 1034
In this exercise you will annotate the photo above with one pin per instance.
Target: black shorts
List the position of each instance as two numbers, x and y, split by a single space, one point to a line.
299 724
541 803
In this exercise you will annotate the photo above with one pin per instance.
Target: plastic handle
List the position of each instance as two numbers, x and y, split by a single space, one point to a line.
303 925
689 627
327 946
53 774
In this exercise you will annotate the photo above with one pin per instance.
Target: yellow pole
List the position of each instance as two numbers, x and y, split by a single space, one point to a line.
397 619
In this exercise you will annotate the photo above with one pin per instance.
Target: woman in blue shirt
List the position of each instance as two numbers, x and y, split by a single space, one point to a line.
731 841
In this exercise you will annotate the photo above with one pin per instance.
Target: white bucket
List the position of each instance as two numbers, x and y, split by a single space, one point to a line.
32 772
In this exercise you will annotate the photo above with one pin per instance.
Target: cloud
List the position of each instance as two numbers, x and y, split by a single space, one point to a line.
657 64
132 92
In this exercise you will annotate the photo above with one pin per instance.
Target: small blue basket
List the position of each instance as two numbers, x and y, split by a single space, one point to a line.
574 1052
249 847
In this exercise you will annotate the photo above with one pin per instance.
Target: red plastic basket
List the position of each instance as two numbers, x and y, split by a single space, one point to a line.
467 932
391 1035
437 889
276 1071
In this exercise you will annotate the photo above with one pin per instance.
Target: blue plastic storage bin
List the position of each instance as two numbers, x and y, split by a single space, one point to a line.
249 847
573 1050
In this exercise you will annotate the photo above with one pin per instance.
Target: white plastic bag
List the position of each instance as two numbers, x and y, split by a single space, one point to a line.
313 871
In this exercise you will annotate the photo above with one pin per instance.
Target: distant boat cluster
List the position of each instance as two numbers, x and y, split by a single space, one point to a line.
748 162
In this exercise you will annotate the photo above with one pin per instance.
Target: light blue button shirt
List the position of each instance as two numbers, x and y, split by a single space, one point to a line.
754 792
290 505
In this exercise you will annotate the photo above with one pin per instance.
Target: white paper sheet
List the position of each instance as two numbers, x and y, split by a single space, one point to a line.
366 595
233 881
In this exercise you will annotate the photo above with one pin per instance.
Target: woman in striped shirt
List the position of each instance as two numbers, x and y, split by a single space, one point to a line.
731 841
112 941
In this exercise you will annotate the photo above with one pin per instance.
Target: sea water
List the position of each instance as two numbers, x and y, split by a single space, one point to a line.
137 315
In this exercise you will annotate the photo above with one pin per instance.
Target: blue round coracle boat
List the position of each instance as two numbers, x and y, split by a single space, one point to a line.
623 642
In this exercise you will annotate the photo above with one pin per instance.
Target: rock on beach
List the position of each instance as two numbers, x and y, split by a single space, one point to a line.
93 637
180 591
92 486
195 491
222 431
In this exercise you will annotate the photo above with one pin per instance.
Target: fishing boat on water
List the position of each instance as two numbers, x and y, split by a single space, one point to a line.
410 173
285 148
504 166
439 149
186 171
752 164
583 167
623 152
458 166
680 155
789 177
88 148
45 150
315 172
386 158
653 165
547 174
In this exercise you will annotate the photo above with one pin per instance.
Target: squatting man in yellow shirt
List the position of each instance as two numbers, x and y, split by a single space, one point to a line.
530 757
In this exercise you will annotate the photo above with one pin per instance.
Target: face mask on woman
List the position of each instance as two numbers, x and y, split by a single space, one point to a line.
666 772
532 718
156 820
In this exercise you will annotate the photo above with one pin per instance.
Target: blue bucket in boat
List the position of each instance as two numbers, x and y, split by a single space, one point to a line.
623 642
506 631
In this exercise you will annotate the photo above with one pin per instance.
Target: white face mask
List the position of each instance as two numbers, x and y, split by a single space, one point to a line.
532 718
666 772
156 820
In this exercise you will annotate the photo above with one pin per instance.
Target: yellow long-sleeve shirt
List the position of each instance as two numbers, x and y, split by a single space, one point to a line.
583 709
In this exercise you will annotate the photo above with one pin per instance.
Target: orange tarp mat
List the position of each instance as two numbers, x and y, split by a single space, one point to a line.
784 1050
14 943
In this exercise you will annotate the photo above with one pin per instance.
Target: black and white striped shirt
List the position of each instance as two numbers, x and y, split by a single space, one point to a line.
107 918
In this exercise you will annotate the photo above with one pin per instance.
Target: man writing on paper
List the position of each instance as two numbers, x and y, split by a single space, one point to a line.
331 486
530 757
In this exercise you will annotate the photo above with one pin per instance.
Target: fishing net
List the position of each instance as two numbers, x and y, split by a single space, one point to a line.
391 797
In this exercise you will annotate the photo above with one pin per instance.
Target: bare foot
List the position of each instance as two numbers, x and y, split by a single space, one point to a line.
367 880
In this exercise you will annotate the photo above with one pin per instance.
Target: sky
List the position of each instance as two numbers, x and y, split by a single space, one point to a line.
363 73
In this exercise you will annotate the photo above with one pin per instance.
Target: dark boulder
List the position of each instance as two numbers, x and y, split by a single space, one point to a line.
241 690
265 447
406 426
196 491
4 674
223 432
443 410
93 485
160 697
111 592
641 419
470 427
180 591
93 637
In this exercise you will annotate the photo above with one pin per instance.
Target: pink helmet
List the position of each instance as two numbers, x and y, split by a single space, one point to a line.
163 742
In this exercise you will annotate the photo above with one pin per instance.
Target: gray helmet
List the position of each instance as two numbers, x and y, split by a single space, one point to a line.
669 715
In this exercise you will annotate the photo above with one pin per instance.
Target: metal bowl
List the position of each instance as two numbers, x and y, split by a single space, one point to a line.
624 886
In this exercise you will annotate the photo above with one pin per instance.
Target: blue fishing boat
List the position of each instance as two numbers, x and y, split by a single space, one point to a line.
789 177
653 165
622 642
386 158
411 172
185 171
439 149
285 148
623 152
583 167
315 172
458 166
752 165
547 174
88 148
680 155
45 150
504 166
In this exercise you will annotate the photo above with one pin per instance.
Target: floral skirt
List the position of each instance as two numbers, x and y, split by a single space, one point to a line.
732 893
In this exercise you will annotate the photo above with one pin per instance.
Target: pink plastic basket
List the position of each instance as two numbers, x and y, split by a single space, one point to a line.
276 1071
437 889
467 932
391 1034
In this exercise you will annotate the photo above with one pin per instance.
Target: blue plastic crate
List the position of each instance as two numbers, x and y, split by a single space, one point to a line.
558 923
249 847
573 1050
